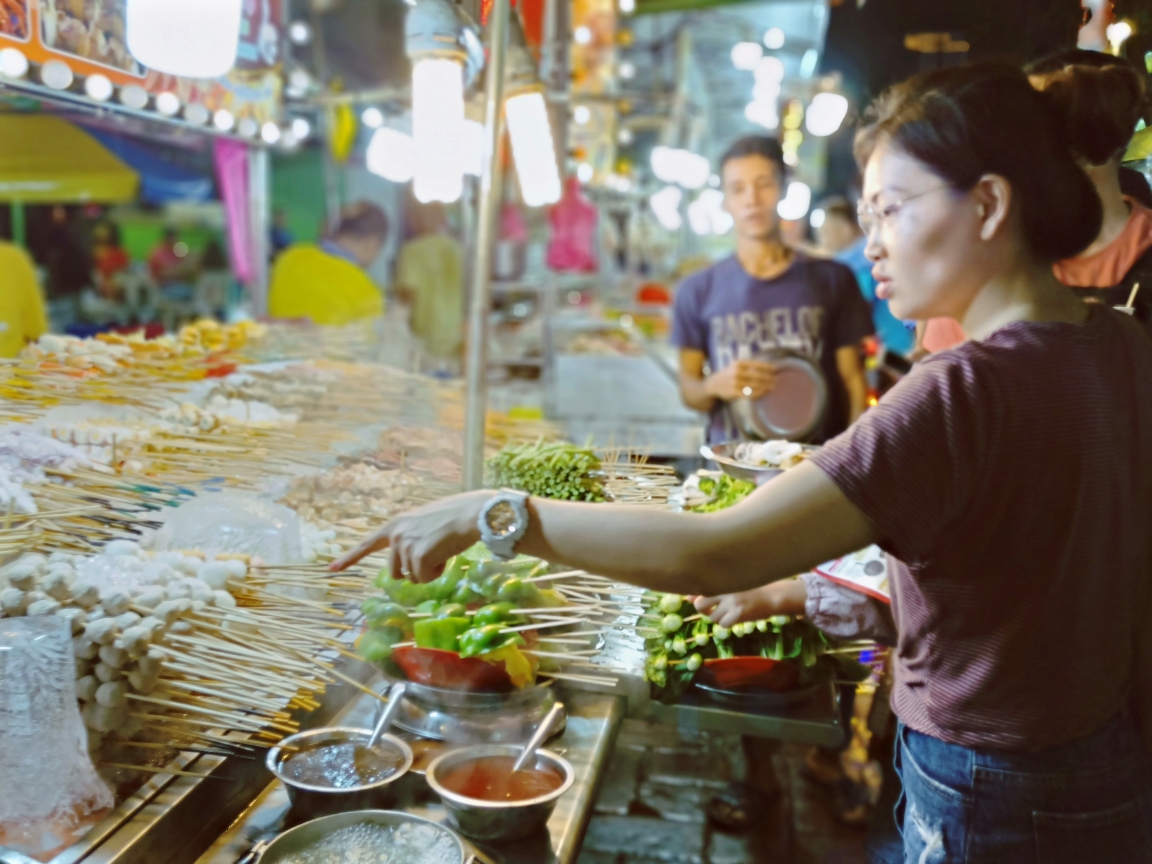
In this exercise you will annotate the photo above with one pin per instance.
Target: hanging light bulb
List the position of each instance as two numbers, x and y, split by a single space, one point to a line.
186 39
794 205
437 44
825 114
391 154
533 147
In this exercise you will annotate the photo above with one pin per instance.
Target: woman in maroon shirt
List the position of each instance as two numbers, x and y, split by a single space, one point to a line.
1010 479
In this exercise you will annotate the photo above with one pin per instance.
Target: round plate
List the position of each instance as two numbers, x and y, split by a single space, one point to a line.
793 408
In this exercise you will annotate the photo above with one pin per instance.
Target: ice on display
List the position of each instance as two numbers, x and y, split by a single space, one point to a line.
234 522
368 843
43 740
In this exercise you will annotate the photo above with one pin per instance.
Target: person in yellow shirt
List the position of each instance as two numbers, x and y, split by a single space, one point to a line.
22 318
327 282
430 279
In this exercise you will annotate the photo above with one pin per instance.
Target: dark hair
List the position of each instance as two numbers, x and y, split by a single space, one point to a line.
755 145
1099 97
967 121
363 220
838 205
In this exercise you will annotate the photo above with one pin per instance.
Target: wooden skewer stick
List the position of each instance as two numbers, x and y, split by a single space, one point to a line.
1132 296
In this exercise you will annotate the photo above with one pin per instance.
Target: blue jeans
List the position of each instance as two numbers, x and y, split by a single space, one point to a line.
1085 802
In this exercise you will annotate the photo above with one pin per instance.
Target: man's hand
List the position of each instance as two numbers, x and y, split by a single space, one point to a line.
779 598
742 379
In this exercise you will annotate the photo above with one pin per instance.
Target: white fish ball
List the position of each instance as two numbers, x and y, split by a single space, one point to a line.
177 591
122 548
86 688
236 569
168 611
102 631
107 673
85 594
35 597
105 718
150 597
184 605
77 618
13 602
128 728
142 682
181 628
151 663
47 606
224 600
84 648
128 619
152 626
60 558
113 656
24 579
112 694
83 667
116 602
213 574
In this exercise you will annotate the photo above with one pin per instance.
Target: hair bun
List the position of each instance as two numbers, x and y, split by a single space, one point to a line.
1097 107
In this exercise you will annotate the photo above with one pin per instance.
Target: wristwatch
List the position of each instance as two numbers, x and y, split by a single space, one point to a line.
503 522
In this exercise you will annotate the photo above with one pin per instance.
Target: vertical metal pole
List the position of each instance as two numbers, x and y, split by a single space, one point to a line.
19 225
491 187
260 221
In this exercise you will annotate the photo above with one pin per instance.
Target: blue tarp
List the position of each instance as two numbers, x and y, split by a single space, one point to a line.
161 180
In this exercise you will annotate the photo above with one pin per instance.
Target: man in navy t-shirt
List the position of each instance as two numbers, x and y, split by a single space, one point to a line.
766 299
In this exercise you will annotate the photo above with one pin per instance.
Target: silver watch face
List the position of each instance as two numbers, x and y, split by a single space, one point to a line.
501 519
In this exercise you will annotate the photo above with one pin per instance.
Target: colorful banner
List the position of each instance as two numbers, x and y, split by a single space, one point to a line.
89 35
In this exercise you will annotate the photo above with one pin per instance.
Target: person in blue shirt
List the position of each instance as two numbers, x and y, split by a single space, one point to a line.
840 237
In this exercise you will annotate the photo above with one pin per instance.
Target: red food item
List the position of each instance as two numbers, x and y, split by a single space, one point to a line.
742 673
449 671
653 293
490 778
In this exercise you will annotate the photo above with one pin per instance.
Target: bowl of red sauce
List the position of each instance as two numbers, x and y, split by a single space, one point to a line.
486 801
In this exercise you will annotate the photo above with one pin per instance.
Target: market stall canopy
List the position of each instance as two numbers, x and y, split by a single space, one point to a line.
161 179
47 160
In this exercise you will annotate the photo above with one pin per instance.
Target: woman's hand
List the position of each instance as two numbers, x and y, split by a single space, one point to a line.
778 598
421 541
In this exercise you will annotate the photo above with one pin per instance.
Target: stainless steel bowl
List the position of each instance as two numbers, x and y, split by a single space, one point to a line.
321 799
304 836
498 820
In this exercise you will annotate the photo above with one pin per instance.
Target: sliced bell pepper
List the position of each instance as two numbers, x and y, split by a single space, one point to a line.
441 633
520 667
375 646
493 613
382 613
406 593
428 607
482 640
451 610
466 593
442 586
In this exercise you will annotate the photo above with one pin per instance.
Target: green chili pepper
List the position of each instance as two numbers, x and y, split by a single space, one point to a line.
466 593
494 613
407 593
442 586
481 640
375 646
451 610
442 633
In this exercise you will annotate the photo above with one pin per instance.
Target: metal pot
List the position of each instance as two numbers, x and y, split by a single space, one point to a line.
322 799
304 836
498 820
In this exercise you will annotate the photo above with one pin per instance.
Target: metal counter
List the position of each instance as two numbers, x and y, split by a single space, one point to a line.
587 741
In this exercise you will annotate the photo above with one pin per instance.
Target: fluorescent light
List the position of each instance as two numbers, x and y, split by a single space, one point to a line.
248 127
671 165
825 114
794 205
769 70
533 149
585 172
625 136
666 205
223 120
582 35
816 220
627 7
187 39
475 148
197 114
13 63
627 70
168 104
763 113
392 155
270 132
808 63
98 87
56 74
438 128
745 55
581 114
300 32
301 128
774 38
134 96
372 118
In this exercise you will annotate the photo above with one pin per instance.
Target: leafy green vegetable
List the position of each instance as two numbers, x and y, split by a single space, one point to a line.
481 640
725 492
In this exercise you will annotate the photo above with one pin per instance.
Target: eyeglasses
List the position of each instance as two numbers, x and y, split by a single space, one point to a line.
870 218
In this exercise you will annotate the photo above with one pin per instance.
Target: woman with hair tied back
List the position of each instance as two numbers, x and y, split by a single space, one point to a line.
1009 479
1101 99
